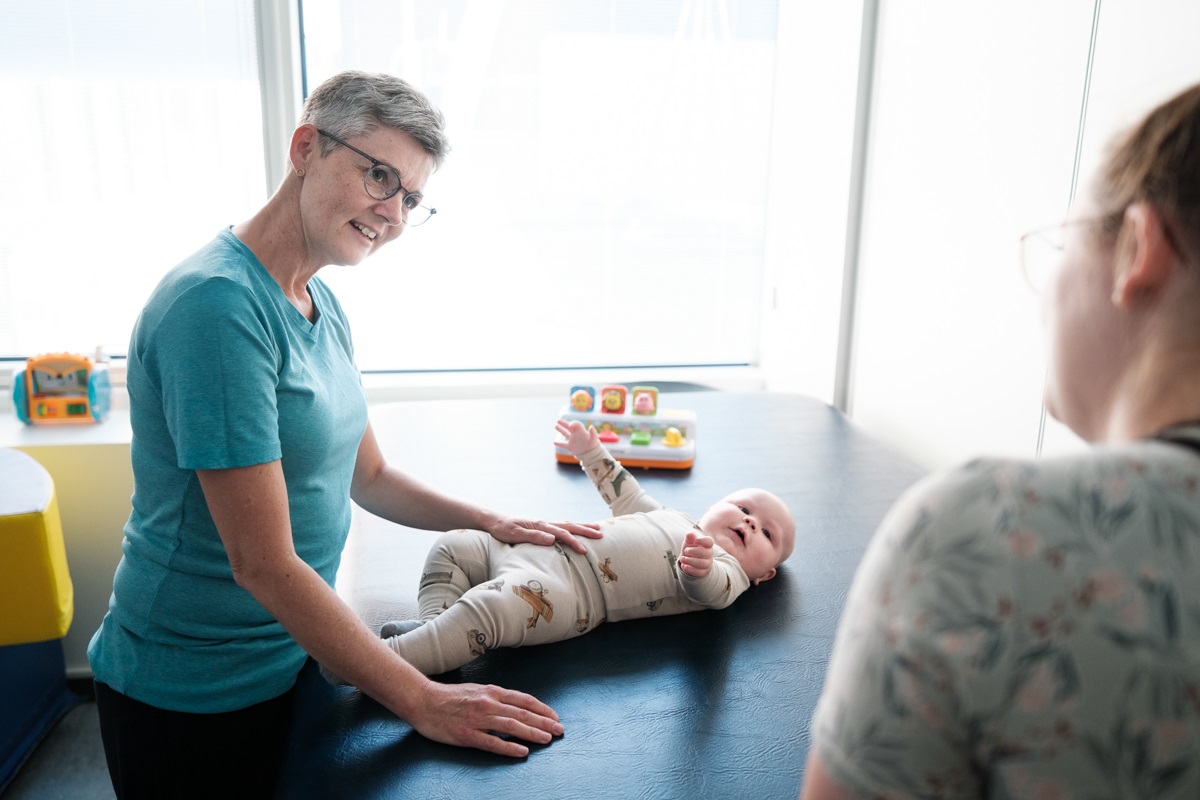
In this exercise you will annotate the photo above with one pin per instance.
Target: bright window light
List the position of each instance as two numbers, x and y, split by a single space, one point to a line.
604 203
132 135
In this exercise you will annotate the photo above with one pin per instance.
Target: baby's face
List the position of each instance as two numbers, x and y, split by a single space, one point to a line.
755 527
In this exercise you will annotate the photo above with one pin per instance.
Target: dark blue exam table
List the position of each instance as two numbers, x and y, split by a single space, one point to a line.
714 704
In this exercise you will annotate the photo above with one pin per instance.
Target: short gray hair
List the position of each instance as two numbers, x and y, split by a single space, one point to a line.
355 103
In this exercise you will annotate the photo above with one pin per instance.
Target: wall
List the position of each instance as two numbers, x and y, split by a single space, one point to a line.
976 120
812 142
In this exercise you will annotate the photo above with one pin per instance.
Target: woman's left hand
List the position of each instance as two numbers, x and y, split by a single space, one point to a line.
535 531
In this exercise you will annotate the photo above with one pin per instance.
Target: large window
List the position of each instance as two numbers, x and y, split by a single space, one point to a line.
605 200
632 182
132 134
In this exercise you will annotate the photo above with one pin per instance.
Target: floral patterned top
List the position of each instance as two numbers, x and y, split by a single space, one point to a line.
1026 629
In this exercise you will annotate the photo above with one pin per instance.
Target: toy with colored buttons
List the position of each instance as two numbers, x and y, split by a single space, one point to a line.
58 388
632 426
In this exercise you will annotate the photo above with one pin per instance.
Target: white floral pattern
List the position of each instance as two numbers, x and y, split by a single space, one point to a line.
1026 630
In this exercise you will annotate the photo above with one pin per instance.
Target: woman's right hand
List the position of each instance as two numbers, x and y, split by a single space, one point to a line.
474 715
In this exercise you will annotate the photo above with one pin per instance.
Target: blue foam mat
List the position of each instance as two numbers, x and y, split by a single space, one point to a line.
33 696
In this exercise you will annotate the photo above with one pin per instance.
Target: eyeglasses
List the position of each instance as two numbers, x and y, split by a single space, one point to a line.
1042 251
382 182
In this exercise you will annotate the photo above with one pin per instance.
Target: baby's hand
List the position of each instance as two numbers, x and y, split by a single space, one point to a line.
697 556
579 439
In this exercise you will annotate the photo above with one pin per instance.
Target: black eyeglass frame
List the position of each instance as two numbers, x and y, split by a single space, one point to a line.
377 164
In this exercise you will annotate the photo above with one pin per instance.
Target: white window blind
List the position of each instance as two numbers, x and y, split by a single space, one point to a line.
132 134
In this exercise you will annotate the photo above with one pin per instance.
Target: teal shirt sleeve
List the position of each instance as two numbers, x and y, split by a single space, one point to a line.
214 363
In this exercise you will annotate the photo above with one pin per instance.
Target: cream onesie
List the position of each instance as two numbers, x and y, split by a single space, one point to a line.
477 594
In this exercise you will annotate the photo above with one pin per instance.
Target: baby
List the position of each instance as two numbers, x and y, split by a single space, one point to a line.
477 594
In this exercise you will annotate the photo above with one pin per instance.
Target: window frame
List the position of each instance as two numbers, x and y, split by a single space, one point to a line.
795 354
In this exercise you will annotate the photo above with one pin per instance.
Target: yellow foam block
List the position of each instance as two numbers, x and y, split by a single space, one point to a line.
37 600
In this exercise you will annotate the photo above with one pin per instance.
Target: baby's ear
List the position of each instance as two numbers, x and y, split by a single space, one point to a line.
770 574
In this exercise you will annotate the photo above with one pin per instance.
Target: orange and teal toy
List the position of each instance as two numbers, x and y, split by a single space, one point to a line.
62 388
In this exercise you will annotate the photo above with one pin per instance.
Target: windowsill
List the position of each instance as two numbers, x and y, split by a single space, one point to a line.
390 388
114 430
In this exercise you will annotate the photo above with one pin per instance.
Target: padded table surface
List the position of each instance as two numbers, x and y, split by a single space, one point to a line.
713 704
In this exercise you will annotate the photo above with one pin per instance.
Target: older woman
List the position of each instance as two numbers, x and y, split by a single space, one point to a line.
250 439
1032 629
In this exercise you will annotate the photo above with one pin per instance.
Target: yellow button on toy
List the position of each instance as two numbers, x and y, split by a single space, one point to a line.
673 438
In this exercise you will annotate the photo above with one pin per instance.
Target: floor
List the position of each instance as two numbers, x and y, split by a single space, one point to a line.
68 764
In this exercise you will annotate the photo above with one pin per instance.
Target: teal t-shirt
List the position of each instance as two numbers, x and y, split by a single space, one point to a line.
224 372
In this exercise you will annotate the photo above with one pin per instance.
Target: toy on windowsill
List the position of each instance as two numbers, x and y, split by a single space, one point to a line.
57 388
632 426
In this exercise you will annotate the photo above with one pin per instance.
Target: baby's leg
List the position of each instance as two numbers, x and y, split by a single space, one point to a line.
520 607
457 561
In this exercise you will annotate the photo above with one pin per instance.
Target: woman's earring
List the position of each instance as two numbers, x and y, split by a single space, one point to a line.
300 172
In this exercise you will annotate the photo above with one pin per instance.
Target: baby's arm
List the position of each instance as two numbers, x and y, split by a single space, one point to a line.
696 556
616 485
708 575
579 439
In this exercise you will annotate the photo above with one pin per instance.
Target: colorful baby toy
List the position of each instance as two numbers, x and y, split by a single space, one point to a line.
57 388
632 426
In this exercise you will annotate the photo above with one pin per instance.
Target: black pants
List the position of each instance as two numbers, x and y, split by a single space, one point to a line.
153 753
